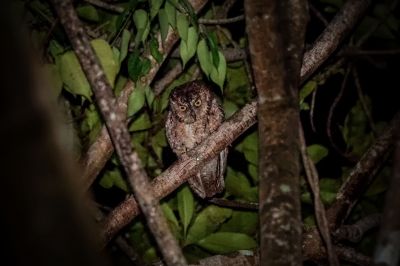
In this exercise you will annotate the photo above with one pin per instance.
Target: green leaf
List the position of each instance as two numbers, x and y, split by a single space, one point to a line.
106 57
188 48
155 7
141 20
249 147
307 89
218 74
354 130
245 222
229 108
182 24
149 95
136 100
120 84
88 12
126 36
171 219
317 152
55 49
227 242
212 42
141 123
72 75
185 207
154 51
204 56
113 178
170 10
237 184
253 172
163 21
135 66
206 222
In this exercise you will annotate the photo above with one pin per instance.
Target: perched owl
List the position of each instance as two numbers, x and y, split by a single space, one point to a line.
194 113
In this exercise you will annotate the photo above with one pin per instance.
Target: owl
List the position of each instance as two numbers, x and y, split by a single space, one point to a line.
194 113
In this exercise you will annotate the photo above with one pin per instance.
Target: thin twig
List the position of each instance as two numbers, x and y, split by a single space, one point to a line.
221 20
353 51
106 6
115 122
350 255
235 204
332 110
131 253
318 14
363 102
319 209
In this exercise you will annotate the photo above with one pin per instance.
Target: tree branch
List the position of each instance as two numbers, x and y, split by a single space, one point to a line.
333 35
115 122
319 209
354 232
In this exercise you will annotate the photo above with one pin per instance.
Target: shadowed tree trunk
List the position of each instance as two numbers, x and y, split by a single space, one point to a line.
276 37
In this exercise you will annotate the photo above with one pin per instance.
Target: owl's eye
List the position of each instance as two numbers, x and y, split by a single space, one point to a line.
182 108
197 103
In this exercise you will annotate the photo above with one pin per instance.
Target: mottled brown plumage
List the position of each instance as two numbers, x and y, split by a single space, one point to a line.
194 113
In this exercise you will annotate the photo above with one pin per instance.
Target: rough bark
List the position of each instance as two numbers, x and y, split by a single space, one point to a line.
276 37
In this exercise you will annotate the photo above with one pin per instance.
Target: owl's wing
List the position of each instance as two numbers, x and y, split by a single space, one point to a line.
210 180
172 133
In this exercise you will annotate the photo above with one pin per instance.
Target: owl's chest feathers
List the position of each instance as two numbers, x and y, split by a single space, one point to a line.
192 134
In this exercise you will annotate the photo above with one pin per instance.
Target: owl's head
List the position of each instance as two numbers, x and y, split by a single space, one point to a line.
191 101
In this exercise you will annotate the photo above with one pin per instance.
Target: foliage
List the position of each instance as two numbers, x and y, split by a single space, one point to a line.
128 48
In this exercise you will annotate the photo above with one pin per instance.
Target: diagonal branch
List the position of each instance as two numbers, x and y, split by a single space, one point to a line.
124 213
181 170
333 35
115 122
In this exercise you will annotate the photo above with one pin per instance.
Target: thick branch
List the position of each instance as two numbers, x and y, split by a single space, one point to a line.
115 122
333 35
127 210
